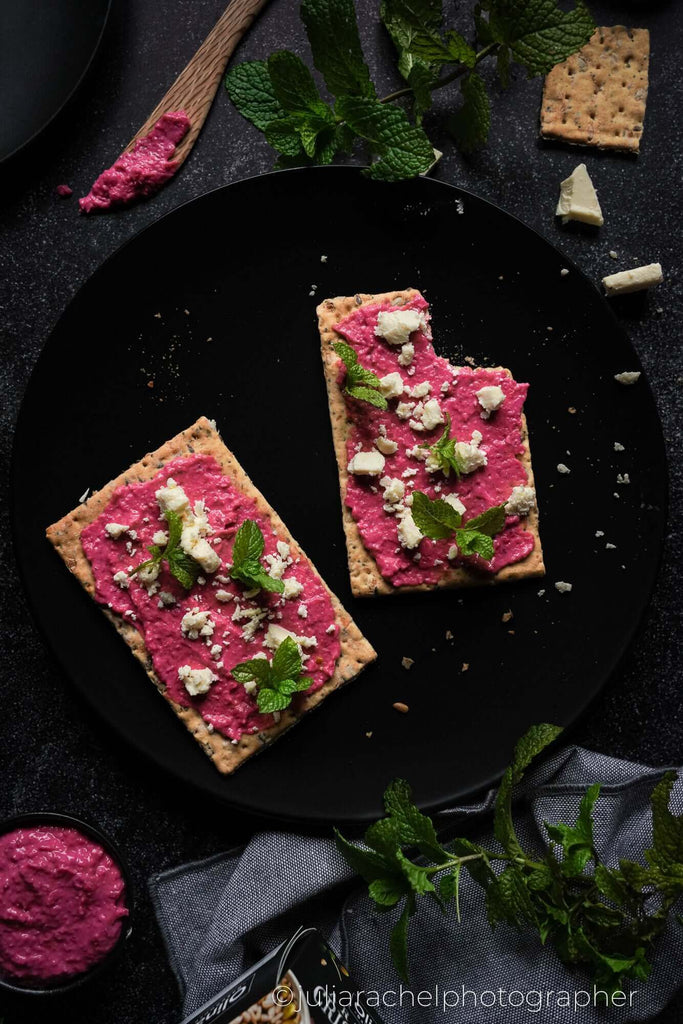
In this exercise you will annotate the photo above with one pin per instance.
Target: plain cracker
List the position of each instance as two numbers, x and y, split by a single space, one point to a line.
597 96
65 535
366 579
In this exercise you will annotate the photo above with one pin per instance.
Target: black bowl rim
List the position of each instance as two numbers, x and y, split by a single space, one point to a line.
62 819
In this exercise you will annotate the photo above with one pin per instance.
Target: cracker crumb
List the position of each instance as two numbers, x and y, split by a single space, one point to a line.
400 706
465 666
613 255
561 468
157 316
150 383
506 616
369 735
407 662
563 272
449 634
619 447
84 496
323 259
571 409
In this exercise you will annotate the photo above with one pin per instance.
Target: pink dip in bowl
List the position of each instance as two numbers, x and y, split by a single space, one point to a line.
62 904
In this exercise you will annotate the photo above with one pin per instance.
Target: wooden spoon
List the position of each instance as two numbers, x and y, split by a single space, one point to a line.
195 87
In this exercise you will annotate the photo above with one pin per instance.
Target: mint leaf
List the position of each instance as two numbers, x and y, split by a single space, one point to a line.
246 554
175 529
471 542
470 125
386 892
538 33
436 519
414 27
337 54
367 863
412 827
257 670
398 942
490 522
360 383
449 888
286 662
181 565
508 899
403 149
271 700
442 452
577 840
277 679
534 741
667 829
183 568
293 85
367 395
283 135
415 875
251 90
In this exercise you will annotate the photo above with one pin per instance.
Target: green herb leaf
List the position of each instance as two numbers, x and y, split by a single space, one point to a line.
360 383
183 568
246 554
443 451
490 522
530 746
367 863
286 661
386 892
403 149
398 942
436 519
278 679
181 565
412 827
538 33
364 394
414 27
251 90
470 125
332 31
272 700
257 670
577 840
667 829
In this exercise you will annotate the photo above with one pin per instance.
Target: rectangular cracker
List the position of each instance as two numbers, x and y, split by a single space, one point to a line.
65 535
597 96
366 579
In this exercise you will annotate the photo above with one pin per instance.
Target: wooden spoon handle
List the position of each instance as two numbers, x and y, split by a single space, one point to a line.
195 87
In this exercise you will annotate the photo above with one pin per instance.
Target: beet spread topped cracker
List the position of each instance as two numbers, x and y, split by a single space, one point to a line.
434 464
200 576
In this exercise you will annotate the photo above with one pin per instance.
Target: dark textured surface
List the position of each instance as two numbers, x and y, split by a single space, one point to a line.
62 757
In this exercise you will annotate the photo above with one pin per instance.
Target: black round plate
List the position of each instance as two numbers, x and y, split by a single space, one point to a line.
46 47
212 303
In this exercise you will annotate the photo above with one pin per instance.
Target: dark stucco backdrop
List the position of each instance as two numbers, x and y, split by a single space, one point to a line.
53 752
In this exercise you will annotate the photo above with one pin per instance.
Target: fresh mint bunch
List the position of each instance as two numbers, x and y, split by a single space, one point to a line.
246 559
360 383
443 451
439 520
277 680
605 921
181 565
280 97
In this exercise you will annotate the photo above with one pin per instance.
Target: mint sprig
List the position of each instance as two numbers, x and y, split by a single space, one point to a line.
604 922
181 565
360 383
277 680
443 451
438 519
280 97
246 559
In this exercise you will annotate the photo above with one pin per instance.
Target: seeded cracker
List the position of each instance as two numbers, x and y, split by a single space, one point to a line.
65 535
366 579
597 96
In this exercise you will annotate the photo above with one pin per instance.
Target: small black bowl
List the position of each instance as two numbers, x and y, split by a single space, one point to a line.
33 988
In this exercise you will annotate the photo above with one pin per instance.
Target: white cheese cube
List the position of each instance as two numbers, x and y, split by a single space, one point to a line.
468 454
386 446
627 377
432 415
115 530
292 588
578 199
633 280
367 464
521 501
490 398
396 327
391 386
394 489
408 533
172 497
454 501
421 390
407 354
196 680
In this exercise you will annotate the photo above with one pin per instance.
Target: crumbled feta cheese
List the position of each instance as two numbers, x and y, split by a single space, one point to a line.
386 446
416 452
623 478
408 534
148 575
619 447
115 530
302 611
563 272
578 199
490 398
610 547
216 651
468 454
453 551
561 468
394 489
276 634
196 680
194 544
366 464
121 578
166 599
521 501
160 538
331 629
407 354
420 390
197 623
627 377
396 327
292 588
404 410
172 497
599 533
224 596
391 385
633 280
454 501
564 588
432 415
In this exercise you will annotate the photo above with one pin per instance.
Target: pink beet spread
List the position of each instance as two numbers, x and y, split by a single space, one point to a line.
478 491
227 706
61 903
143 170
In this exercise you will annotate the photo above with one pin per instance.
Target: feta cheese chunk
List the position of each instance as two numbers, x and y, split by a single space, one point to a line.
407 354
521 502
115 530
404 410
224 596
578 199
490 398
408 534
396 327
386 445
276 634
198 547
367 464
432 415
172 497
196 680
391 385
394 489
635 280
454 501
564 588
420 390
468 454
292 588
628 376
196 623
121 578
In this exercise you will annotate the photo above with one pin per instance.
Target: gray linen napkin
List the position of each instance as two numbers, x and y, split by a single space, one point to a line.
220 915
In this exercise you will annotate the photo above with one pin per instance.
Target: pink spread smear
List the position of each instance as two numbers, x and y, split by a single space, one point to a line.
455 390
61 903
238 618
143 170
64 191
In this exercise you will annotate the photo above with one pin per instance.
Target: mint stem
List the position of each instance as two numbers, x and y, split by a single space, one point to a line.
446 80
